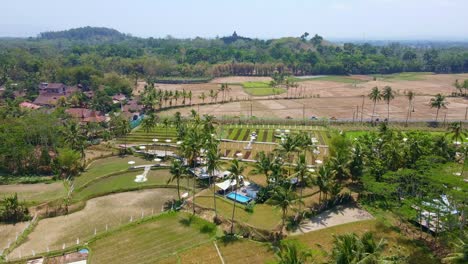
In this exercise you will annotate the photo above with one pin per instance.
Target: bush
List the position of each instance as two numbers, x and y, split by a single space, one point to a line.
249 208
13 211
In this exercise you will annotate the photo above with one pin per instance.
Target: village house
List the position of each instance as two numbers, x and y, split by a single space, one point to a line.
49 93
84 115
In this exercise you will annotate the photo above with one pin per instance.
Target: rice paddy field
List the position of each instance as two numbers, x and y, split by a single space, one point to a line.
261 89
140 136
34 194
154 240
112 210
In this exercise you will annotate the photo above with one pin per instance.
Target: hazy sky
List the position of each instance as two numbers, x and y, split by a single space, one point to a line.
358 19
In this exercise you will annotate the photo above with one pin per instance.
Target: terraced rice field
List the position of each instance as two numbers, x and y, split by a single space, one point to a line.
241 251
139 136
125 182
34 193
152 241
8 233
268 134
112 210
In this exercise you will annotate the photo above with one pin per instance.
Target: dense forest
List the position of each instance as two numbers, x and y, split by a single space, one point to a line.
86 55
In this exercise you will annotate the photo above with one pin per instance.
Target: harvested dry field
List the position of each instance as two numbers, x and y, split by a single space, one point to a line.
339 107
112 210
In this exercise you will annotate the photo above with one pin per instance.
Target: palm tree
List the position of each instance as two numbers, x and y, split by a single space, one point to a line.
340 164
388 95
438 102
284 197
74 137
292 252
236 171
202 96
375 96
148 123
190 96
350 249
178 171
410 95
324 180
302 173
166 124
461 251
458 134
263 165
212 163
288 146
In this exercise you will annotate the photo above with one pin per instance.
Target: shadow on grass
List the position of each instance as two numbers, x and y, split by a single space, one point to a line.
228 239
187 221
208 229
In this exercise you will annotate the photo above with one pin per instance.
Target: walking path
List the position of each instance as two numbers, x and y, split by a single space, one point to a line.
336 216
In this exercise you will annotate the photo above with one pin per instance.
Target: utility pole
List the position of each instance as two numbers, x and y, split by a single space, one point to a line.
357 113
303 113
466 113
362 108
251 109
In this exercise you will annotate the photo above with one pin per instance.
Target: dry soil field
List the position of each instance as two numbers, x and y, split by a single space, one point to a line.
328 98
112 210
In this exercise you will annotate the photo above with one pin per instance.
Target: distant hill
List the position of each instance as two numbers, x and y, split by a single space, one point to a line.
234 38
88 34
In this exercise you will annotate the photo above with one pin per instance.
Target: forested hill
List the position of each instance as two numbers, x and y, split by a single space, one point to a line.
87 34
79 55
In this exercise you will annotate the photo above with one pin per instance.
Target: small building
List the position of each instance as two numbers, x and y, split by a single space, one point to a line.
50 93
84 115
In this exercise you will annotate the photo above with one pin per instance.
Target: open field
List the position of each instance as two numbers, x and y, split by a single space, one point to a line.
339 96
261 89
124 182
103 167
152 240
112 210
264 216
343 108
34 193
324 237
8 233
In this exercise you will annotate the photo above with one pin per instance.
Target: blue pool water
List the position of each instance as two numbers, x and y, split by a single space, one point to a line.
240 198
84 251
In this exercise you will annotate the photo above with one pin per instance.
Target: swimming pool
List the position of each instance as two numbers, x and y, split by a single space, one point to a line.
239 197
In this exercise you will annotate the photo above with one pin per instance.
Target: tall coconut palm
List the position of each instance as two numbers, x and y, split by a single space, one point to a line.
287 147
178 171
202 96
438 102
213 164
375 96
388 95
148 123
302 173
324 180
263 165
285 198
74 137
236 170
456 131
410 95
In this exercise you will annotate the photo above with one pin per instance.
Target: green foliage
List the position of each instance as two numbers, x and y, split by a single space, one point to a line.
12 210
68 163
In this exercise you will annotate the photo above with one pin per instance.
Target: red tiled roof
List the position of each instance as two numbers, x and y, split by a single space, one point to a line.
86 115
47 99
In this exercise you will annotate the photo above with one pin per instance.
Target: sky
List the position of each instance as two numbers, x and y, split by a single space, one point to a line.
333 19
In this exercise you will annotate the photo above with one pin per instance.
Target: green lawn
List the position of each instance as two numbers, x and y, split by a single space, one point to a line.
334 78
153 240
261 89
34 194
103 167
404 76
124 182
264 216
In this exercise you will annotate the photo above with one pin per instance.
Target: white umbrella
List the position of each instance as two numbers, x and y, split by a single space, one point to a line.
157 160
318 161
131 162
142 147
311 170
